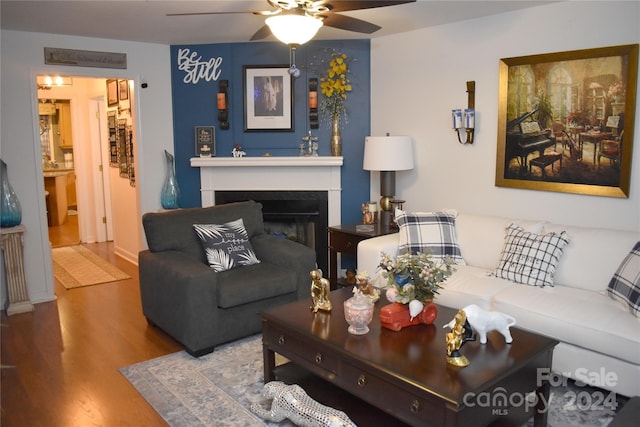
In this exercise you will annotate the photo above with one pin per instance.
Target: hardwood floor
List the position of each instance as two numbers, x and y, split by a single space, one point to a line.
60 363
66 234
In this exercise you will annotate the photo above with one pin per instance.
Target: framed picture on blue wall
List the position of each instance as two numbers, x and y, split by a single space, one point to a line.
268 98
205 141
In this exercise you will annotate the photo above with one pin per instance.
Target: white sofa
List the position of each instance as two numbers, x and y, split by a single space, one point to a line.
599 338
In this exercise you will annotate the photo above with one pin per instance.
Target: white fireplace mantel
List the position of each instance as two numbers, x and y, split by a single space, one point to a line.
275 173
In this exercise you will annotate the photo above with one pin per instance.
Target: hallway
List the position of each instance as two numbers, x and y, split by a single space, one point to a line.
66 234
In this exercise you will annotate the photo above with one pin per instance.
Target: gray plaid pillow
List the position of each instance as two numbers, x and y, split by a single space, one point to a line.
226 245
625 283
530 258
431 233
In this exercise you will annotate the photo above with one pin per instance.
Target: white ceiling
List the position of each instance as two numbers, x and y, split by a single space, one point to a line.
146 21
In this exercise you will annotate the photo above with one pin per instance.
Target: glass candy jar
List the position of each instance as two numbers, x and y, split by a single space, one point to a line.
358 312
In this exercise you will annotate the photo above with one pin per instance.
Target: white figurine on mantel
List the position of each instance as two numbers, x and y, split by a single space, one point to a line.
483 321
237 151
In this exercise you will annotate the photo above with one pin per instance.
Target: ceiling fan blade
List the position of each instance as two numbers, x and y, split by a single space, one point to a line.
346 5
349 23
262 33
253 12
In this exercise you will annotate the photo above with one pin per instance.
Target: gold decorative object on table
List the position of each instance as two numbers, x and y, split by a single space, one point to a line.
460 333
320 289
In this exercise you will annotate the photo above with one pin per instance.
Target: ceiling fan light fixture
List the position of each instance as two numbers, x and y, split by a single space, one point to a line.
293 29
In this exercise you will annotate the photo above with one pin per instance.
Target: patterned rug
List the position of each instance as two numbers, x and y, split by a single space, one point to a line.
76 266
219 388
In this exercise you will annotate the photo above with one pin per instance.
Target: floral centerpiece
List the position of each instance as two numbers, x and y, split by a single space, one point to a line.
414 279
334 86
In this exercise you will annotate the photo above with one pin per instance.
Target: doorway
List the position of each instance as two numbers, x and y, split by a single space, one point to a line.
56 147
74 146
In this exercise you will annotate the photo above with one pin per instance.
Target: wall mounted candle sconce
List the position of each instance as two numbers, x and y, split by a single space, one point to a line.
223 109
469 116
313 104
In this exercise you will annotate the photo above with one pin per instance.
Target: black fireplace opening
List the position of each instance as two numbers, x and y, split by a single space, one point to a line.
301 216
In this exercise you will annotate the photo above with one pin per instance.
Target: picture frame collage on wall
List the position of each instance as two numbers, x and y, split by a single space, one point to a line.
121 150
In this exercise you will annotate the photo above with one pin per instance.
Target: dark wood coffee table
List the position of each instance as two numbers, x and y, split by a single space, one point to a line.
405 373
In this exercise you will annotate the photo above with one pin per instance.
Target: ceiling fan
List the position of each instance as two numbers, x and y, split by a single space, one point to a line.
311 15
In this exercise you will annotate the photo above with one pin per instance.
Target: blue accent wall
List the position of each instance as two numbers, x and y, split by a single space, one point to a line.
194 104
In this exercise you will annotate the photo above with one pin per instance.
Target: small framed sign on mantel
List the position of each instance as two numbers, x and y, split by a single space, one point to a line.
205 141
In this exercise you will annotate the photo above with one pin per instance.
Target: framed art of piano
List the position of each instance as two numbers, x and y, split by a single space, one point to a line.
557 114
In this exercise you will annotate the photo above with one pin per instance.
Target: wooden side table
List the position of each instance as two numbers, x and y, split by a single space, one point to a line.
12 244
345 239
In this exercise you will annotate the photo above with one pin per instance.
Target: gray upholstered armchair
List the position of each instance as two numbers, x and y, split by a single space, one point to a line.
200 307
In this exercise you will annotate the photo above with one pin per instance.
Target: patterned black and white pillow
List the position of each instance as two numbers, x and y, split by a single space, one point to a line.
431 233
530 258
226 245
625 283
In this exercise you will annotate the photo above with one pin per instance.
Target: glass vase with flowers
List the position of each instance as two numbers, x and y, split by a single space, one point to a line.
334 86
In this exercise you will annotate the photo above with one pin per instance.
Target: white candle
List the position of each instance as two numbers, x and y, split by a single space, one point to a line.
457 118
469 118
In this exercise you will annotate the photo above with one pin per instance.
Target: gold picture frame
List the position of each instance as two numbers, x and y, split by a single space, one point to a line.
561 118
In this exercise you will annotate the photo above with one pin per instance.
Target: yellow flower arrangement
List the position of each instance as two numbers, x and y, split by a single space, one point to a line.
335 85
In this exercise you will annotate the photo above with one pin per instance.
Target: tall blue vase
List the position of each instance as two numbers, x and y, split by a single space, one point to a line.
10 210
170 196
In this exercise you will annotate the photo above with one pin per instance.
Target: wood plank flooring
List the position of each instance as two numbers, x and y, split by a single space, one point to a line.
60 363
66 234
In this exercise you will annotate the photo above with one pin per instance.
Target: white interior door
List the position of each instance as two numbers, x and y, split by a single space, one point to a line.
100 166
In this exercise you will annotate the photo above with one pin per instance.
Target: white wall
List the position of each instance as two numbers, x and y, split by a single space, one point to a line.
22 59
418 77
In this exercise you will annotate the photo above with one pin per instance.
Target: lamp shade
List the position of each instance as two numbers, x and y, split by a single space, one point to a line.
387 153
293 28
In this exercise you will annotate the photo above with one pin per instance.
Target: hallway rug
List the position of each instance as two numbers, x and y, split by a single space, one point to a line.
76 266
218 389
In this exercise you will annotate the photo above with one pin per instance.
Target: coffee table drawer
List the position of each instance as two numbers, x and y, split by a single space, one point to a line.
298 350
392 399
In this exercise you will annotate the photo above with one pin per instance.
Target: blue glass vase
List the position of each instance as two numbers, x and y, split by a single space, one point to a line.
170 196
10 210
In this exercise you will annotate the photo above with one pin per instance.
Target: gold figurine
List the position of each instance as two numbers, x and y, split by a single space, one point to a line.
320 289
460 333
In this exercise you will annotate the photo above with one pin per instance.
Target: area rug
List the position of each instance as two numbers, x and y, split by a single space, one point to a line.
219 388
76 266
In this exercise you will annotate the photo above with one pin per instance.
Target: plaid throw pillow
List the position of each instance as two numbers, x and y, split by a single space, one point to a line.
530 258
227 245
431 233
625 283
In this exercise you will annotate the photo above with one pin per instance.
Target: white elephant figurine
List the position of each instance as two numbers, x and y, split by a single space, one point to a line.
483 321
